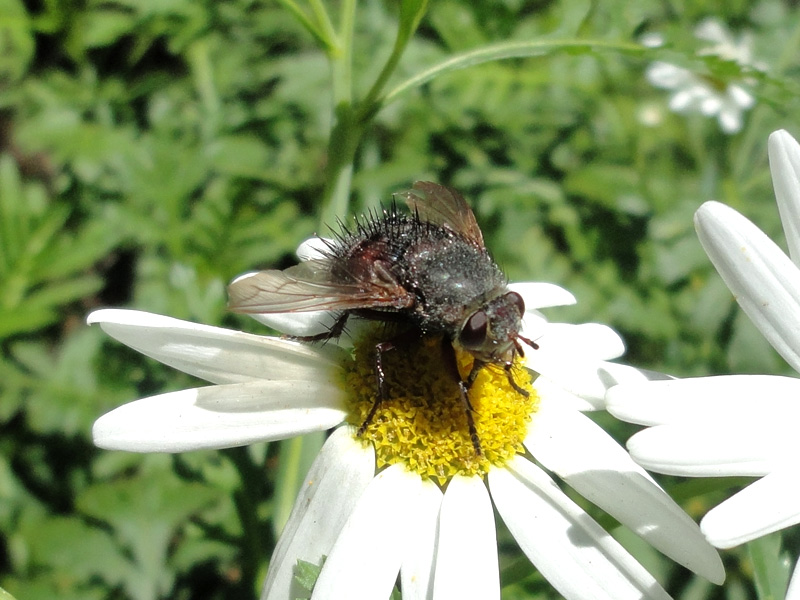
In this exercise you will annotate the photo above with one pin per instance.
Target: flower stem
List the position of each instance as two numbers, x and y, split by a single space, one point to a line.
411 12
345 135
323 32
297 455
325 26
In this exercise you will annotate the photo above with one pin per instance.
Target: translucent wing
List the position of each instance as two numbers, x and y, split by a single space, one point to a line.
311 285
444 206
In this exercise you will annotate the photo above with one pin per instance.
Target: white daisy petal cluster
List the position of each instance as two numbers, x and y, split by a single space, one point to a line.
738 424
694 93
366 522
270 389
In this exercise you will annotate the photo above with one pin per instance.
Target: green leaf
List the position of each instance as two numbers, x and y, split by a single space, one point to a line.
4 595
41 258
76 251
771 566
75 550
102 27
63 393
13 221
22 319
307 573
615 187
42 586
506 50
144 513
242 155
63 292
749 351
17 44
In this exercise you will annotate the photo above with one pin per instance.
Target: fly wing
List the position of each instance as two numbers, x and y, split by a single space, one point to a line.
444 206
308 286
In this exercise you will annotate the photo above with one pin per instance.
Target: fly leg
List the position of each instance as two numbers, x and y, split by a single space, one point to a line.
449 354
380 373
508 366
334 332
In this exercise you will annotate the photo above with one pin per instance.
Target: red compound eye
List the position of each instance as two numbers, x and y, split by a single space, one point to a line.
474 332
518 302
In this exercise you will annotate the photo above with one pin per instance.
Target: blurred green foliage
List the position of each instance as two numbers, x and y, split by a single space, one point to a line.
150 151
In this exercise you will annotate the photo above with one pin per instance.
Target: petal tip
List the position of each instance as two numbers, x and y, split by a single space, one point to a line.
780 137
107 315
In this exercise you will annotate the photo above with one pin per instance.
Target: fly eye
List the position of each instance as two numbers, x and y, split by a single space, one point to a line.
474 332
517 300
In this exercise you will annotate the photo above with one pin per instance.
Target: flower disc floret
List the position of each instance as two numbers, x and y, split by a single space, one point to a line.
422 422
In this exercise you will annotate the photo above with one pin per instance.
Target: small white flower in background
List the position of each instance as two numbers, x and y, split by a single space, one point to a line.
694 93
652 39
725 45
412 497
742 425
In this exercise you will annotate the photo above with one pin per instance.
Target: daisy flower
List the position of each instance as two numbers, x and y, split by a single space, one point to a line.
411 497
707 426
694 93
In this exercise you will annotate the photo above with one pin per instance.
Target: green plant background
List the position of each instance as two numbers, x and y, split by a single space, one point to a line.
151 150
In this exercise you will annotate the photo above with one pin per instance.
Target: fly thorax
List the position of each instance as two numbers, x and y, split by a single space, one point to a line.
450 275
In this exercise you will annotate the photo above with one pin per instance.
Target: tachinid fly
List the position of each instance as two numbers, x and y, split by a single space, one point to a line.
428 270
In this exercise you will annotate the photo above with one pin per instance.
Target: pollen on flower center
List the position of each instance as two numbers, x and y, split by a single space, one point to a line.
422 422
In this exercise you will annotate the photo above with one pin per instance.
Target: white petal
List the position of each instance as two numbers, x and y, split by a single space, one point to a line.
793 593
571 355
741 98
784 163
730 119
590 379
711 30
722 451
769 504
315 247
537 294
652 39
592 340
683 100
710 105
577 556
221 416
613 374
665 75
590 461
466 556
313 322
551 391
765 282
707 400
416 571
579 378
215 354
365 560
534 324
333 486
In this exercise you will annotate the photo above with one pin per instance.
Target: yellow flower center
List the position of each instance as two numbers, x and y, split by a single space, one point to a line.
422 421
